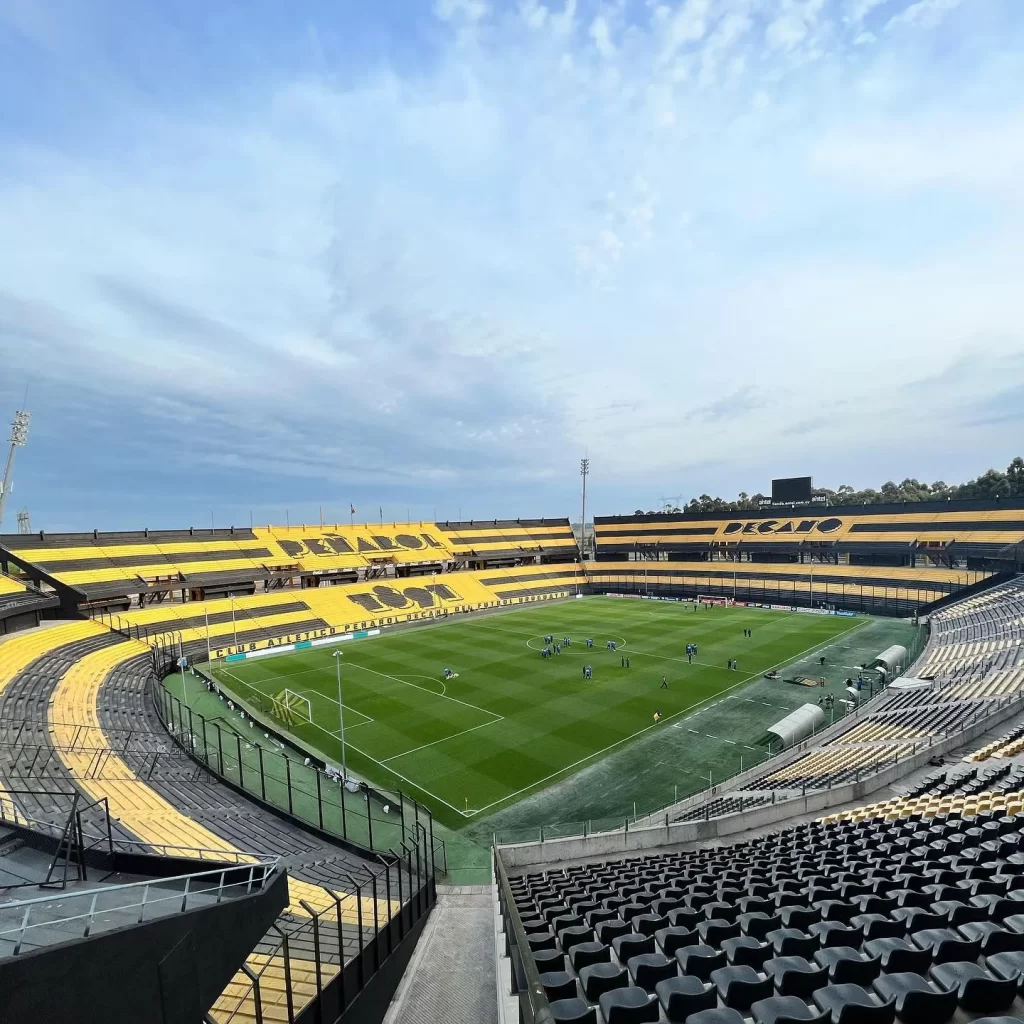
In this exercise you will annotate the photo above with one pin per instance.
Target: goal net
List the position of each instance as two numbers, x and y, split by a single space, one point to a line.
292 707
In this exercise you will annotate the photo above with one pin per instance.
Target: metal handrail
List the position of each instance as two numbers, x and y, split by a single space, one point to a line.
269 865
533 1003
256 880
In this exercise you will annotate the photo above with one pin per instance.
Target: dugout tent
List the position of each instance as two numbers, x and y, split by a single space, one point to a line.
891 661
798 725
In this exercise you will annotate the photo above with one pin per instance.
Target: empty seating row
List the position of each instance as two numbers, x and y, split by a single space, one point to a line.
841 922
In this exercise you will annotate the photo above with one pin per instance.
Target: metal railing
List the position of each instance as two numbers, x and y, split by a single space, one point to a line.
80 914
302 789
376 916
526 984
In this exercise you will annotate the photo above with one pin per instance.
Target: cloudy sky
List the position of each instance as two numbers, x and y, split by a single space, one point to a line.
421 256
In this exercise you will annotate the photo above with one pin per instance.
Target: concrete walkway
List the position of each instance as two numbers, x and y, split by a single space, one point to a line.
451 975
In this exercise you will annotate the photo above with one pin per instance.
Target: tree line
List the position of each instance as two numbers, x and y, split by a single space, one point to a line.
993 483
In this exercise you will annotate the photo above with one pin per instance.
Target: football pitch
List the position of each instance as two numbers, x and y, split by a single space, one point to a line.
511 723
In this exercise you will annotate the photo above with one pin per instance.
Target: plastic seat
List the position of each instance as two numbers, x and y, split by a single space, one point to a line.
917 1002
978 990
632 944
715 931
799 917
573 1011
716 1016
758 924
700 961
599 978
549 960
675 937
573 936
878 926
848 966
611 929
628 1006
649 924
739 987
648 969
1007 965
786 1010
993 938
682 997
587 953
792 942
899 956
946 945
917 919
541 940
795 976
746 951
559 985
851 1004
835 933
958 913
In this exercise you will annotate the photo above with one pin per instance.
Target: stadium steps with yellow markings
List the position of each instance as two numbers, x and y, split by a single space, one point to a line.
59 680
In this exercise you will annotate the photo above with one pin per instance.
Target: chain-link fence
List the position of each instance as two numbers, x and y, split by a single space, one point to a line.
262 767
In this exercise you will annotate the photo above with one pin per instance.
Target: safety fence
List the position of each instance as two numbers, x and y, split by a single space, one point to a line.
266 769
315 972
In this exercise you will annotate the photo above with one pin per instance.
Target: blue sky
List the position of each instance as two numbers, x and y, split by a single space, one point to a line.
258 256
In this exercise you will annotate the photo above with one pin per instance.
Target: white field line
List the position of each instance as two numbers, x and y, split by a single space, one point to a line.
396 774
591 756
684 711
366 719
443 739
433 693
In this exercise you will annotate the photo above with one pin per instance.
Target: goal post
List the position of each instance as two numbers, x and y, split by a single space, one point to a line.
292 707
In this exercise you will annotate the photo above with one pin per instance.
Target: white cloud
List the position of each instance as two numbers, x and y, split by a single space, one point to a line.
857 10
600 33
470 10
390 276
686 26
925 14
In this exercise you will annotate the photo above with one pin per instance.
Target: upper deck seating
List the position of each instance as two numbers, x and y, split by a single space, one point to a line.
109 563
782 582
345 546
511 537
931 525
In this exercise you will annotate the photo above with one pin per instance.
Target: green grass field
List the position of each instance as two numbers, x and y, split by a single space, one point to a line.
512 724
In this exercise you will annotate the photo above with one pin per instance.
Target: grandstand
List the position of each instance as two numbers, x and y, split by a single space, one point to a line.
903 907
94 750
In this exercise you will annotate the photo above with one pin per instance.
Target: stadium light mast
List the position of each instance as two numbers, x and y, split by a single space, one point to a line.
19 438
584 472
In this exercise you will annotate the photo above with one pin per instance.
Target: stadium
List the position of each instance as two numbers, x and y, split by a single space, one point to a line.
519 512
690 766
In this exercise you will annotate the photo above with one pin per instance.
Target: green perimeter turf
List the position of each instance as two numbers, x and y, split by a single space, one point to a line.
513 723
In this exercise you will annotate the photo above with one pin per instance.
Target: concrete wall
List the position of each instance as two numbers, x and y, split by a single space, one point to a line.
652 836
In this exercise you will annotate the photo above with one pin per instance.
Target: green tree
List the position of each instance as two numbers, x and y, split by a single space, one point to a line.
1015 477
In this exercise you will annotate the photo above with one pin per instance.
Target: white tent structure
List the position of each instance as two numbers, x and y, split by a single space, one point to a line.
891 662
798 725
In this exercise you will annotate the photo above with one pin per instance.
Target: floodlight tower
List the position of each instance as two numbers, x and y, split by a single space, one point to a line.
24 522
584 472
19 437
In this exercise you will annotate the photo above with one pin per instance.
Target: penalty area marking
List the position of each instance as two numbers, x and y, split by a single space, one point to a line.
366 719
429 679
370 757
443 739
